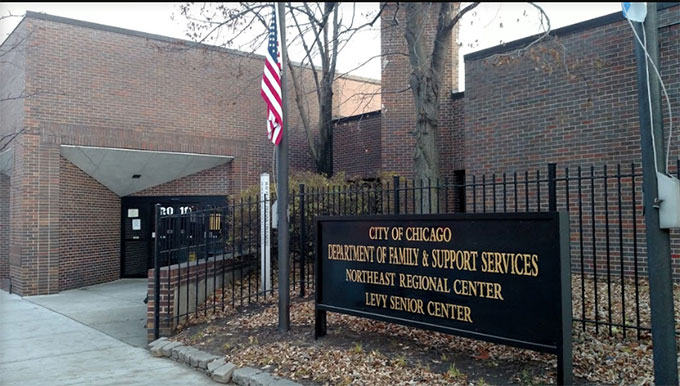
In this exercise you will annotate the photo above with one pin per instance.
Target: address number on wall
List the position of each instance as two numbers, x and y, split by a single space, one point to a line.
169 210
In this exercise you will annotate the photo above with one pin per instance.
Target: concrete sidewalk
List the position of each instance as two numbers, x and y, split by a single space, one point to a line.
116 308
42 347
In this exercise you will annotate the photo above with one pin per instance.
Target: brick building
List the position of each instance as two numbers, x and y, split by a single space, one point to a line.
390 149
110 122
572 100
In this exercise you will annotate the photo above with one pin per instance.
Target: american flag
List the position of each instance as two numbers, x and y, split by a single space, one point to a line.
271 86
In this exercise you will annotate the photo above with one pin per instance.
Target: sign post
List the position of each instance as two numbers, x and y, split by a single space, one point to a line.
501 278
265 235
282 180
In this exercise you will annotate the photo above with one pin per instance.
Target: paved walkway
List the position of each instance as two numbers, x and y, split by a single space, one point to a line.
42 347
116 308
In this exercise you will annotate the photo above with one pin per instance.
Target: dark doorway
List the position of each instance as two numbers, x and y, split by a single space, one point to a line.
137 224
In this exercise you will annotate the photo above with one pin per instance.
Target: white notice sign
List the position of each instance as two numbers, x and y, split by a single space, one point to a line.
136 224
265 220
133 212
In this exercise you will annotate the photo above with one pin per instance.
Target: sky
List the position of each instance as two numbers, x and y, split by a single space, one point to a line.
490 24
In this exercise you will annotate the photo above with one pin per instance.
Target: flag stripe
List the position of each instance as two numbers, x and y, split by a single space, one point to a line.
271 85
273 76
273 102
275 97
273 105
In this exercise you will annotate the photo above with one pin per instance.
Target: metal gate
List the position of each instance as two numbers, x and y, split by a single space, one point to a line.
137 225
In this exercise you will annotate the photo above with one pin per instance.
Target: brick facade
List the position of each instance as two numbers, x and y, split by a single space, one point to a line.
357 146
352 96
452 136
211 182
394 148
4 231
397 99
89 230
94 85
569 100
182 287
573 100
12 121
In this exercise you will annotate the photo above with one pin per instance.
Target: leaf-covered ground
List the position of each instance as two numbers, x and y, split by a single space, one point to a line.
362 351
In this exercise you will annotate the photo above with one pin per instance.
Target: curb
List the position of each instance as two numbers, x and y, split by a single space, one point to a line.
216 367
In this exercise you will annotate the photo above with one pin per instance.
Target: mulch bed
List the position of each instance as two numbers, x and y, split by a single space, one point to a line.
362 351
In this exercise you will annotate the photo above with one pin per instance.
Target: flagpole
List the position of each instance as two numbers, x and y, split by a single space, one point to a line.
282 185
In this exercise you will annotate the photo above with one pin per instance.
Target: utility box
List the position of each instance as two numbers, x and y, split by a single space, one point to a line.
669 197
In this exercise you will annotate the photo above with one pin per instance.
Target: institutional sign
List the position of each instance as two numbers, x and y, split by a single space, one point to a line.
502 278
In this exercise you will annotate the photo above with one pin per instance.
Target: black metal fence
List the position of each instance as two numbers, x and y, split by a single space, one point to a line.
212 256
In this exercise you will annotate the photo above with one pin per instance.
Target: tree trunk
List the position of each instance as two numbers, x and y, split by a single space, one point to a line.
425 87
324 163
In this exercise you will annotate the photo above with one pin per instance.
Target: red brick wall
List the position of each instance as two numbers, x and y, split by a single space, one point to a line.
299 156
572 101
12 75
211 182
529 111
4 231
99 87
356 145
176 303
398 113
150 94
16 220
452 136
40 216
89 230
355 96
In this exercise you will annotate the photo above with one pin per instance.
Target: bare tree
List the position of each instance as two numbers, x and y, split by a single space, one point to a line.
427 59
322 30
9 50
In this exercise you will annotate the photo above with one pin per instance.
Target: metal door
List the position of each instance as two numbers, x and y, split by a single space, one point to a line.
137 224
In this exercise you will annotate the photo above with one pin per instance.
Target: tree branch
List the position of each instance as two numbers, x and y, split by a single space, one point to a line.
519 51
7 139
452 23
304 116
308 55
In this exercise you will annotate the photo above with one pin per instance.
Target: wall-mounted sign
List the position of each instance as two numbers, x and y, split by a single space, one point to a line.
136 224
133 212
502 278
169 210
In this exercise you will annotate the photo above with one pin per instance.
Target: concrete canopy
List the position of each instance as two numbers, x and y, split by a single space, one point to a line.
6 161
127 171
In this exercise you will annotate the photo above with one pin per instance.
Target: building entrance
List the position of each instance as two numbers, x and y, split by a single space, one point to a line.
137 225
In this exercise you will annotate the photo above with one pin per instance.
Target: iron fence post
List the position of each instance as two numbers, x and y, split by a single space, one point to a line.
396 194
156 275
552 187
303 229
